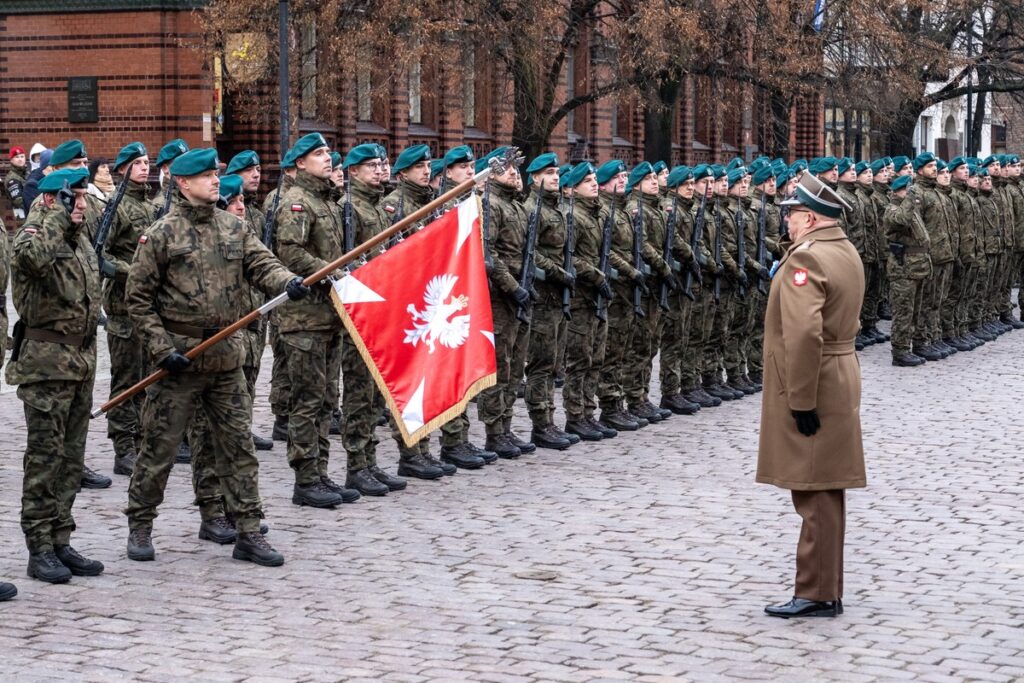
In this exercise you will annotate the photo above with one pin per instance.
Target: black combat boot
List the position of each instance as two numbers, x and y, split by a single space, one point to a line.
523 445
336 423
446 467
486 455
391 481
927 352
649 414
1008 319
705 399
500 444
546 436
79 566
364 482
459 456
94 480
316 495
884 310
45 566
618 420
124 463
184 455
347 495
606 432
665 413
573 439
416 466
280 430
983 334
678 404
906 359
860 342
140 544
261 444
583 429
264 529
217 530
721 392
253 547
7 591
958 344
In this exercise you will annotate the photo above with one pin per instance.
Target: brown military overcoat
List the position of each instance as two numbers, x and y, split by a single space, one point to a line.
810 363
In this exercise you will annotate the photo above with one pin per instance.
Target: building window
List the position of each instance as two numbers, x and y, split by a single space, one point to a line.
415 100
308 70
363 90
469 89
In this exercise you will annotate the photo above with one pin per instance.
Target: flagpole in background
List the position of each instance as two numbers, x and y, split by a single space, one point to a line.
372 243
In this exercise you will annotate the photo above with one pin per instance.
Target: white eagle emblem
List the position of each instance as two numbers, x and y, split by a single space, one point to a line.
432 324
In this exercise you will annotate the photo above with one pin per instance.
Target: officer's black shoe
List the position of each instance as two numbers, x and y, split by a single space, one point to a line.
582 429
7 591
45 566
500 444
523 445
799 607
906 359
446 467
218 530
347 495
336 423
261 443
124 464
79 566
418 467
391 481
705 399
140 544
606 431
720 392
618 420
678 404
459 456
366 483
280 430
184 455
253 547
548 436
315 495
928 353
94 480
487 456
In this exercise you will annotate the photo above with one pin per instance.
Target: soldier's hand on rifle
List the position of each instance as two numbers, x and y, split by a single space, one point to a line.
565 277
638 277
107 269
695 267
295 289
764 274
521 296
175 362
673 283
605 290
743 279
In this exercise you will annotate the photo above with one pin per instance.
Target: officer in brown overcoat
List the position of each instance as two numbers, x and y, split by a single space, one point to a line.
810 414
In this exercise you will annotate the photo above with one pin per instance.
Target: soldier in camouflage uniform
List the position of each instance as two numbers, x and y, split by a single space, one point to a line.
737 223
944 320
280 388
970 255
7 590
855 223
909 266
56 285
190 269
936 216
1015 193
991 226
762 202
1002 195
869 248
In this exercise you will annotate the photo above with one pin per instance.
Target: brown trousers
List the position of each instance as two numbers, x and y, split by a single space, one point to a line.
819 553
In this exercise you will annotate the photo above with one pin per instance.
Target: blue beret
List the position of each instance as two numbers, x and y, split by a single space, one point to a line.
76 179
195 161
922 160
763 174
410 156
844 165
639 172
940 165
659 166
609 169
900 161
66 151
901 182
701 171
129 153
679 175
458 155
782 178
818 197
481 163
955 163
436 166
305 145
861 167
718 170
230 186
543 161
576 174
736 174
171 151
735 163
822 165
798 165
981 171
335 160
242 161
877 165
989 160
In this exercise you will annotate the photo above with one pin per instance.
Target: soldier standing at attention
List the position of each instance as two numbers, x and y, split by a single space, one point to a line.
740 322
762 198
280 388
811 438
190 269
909 266
56 286
14 183
870 253
7 590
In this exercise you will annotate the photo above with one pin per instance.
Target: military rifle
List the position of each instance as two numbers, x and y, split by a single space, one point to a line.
762 248
716 252
106 221
741 246
638 260
695 238
602 260
168 193
348 230
528 268
567 252
270 226
485 228
666 251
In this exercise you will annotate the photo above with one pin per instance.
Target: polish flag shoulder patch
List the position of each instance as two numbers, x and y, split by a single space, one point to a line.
143 239
297 208
800 277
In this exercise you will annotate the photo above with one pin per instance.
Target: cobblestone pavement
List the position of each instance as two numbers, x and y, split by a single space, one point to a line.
645 558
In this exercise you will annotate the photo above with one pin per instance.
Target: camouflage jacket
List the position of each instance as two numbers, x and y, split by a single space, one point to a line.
406 198
56 284
903 225
989 223
925 193
854 221
772 222
309 236
587 251
715 208
134 215
192 268
653 228
1004 205
506 238
268 202
1015 195
549 252
952 218
971 250
368 216
620 256
5 273
873 242
727 223
677 212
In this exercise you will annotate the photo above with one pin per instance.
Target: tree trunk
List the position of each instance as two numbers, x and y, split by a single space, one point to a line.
900 131
529 132
659 120
977 122
780 106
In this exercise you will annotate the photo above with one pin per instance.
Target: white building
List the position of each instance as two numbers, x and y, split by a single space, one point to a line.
942 128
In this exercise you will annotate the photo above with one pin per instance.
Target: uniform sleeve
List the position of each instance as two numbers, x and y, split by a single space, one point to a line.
681 249
15 190
120 225
262 269
293 228
36 244
501 275
144 278
803 286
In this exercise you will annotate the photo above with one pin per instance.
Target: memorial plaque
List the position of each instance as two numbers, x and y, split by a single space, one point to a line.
83 100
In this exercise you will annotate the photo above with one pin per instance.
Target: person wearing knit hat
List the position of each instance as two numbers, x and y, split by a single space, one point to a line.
872 251
14 182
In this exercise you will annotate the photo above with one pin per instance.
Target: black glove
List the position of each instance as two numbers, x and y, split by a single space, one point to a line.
569 279
605 290
520 296
764 274
744 280
107 269
639 278
807 422
175 362
295 289
673 283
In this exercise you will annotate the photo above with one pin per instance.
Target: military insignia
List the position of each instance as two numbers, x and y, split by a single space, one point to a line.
297 208
800 277
30 231
389 209
143 239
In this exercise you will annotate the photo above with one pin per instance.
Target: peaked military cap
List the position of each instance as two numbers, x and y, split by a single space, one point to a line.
458 155
242 161
844 165
922 160
543 161
66 151
782 178
195 161
335 160
901 182
306 144
822 165
679 175
900 162
639 172
360 154
762 174
862 166
411 156
171 151
76 179
230 186
659 166
481 163
798 165
129 153
736 174
701 171
576 174
818 197
609 169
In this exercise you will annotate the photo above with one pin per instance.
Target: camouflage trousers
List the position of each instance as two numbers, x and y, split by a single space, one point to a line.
361 407
639 362
872 294
313 364
170 405
996 266
127 367
492 402
1011 267
947 317
517 372
701 310
280 386
547 334
906 298
734 356
455 430
622 325
675 338
717 326
936 288
57 422
964 294
754 350
585 340
973 312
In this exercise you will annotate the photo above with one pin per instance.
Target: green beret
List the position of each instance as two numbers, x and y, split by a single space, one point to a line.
782 178
940 165
798 165
458 155
66 151
195 161
436 166
171 151
818 197
718 170
335 160
659 166
288 161
922 160
242 161
76 179
701 171
901 182
989 160
679 175
543 161
563 169
576 174
360 154
877 165
779 167
481 163
410 156
1012 159
900 162
306 144
887 161
382 152
736 174
737 162
230 186
981 172
758 163
763 174
861 167
844 165
822 165
639 172
972 170
128 154
609 169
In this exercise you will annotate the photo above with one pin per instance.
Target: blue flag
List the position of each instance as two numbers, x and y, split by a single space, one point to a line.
819 15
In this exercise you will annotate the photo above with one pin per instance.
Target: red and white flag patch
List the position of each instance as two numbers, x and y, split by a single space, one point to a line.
143 239
800 277
297 207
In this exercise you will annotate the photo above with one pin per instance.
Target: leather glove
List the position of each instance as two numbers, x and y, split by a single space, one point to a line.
521 296
764 274
638 277
295 289
807 422
743 279
673 283
107 269
568 279
606 291
175 362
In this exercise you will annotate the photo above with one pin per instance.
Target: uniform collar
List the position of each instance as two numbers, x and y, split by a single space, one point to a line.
321 187
828 234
